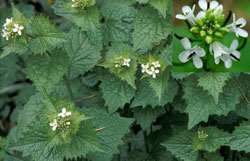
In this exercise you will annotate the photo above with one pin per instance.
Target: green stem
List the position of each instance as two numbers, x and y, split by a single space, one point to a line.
68 86
145 140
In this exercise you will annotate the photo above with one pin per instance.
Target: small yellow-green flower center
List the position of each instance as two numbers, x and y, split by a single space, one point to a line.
202 135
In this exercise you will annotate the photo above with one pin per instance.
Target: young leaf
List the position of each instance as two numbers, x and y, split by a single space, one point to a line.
46 71
146 96
116 93
83 55
117 18
160 5
181 146
241 135
145 117
213 83
44 35
200 105
149 28
114 128
215 139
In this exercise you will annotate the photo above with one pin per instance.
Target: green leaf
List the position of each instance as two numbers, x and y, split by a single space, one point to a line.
146 96
44 35
213 156
8 70
200 104
213 83
145 117
216 138
17 47
117 18
118 50
46 71
111 136
159 83
116 93
142 1
181 146
160 5
149 28
87 19
241 135
83 55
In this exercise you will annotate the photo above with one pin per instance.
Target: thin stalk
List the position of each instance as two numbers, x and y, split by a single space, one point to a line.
228 18
243 45
145 140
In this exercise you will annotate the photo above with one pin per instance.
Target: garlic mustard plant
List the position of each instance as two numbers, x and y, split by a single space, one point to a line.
12 29
209 28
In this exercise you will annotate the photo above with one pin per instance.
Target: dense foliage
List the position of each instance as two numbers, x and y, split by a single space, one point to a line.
93 81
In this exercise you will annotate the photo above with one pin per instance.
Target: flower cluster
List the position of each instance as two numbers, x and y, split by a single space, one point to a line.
62 122
151 68
122 62
11 29
82 3
202 135
208 27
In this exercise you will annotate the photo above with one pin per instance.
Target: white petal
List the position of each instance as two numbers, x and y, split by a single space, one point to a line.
64 110
218 11
228 63
181 17
157 71
20 33
203 4
234 18
154 75
186 43
186 10
200 15
68 113
16 25
242 22
184 56
60 114
15 30
234 45
236 54
214 4
51 124
54 128
242 33
200 52
197 62
21 27
217 60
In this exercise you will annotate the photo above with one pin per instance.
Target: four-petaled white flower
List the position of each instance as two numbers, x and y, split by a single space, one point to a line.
5 35
54 125
156 64
126 62
8 21
64 113
221 52
237 26
144 68
195 53
153 72
213 5
188 14
18 29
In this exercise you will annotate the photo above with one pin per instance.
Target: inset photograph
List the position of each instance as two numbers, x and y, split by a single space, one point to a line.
211 36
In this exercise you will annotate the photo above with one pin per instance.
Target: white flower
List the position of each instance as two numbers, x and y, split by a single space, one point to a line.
5 35
8 21
213 5
64 113
153 72
68 123
54 125
237 26
195 53
156 64
188 14
73 6
144 68
117 65
221 52
18 29
126 62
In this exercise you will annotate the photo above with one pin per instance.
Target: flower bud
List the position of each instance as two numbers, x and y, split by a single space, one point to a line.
195 30
209 13
203 33
218 34
224 30
217 26
210 32
199 22
221 18
208 39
